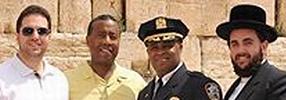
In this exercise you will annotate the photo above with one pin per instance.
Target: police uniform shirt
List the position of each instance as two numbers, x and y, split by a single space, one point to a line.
19 82
122 84
179 83
165 78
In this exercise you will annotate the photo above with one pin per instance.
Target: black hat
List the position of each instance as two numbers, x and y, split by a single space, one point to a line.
162 28
247 16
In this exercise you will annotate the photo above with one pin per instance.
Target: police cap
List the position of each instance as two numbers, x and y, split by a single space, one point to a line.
162 29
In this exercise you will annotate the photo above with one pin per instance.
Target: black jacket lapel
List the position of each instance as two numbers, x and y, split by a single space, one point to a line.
147 92
231 89
173 86
252 84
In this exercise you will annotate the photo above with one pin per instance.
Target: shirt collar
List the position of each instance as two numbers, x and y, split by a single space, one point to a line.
25 70
109 75
167 76
263 61
48 69
247 78
117 74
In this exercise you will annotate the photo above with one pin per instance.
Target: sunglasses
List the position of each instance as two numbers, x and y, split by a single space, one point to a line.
28 31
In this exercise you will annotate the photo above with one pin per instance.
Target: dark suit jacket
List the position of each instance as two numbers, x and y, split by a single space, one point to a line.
269 83
184 85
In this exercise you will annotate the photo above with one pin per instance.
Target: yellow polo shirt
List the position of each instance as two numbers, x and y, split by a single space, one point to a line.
123 84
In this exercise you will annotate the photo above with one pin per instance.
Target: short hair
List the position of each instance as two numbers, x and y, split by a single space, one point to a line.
33 10
100 17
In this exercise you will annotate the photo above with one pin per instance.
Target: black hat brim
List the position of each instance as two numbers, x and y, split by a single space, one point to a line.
268 32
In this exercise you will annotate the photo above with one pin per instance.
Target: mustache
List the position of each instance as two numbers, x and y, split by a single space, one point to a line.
109 48
251 68
242 55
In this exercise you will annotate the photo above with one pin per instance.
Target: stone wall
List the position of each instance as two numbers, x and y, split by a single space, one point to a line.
203 50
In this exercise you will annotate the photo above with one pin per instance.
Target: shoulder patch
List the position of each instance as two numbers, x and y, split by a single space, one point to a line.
174 98
212 90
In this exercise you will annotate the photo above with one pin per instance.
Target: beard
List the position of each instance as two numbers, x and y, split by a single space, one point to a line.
249 69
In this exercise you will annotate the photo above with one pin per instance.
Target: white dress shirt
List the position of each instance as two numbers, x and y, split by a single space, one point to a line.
18 82
166 77
241 85
238 89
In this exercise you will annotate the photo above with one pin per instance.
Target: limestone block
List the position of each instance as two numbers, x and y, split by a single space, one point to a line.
112 7
10 10
8 46
67 45
66 63
215 58
201 16
1 27
188 12
124 63
74 16
281 14
144 68
213 12
276 53
191 54
131 48
139 11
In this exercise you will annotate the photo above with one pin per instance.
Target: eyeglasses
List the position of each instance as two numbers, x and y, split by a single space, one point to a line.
28 31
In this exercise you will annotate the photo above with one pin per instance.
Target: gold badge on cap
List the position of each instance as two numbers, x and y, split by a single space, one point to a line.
161 23
174 98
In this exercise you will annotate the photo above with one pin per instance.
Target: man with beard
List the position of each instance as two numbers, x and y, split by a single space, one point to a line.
102 78
27 76
163 38
247 36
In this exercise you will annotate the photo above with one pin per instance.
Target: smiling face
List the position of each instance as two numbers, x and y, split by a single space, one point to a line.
103 41
164 56
35 44
246 49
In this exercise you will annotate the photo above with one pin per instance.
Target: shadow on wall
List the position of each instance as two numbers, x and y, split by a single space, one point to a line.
144 68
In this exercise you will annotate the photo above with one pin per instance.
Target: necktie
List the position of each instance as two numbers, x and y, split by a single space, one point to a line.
160 84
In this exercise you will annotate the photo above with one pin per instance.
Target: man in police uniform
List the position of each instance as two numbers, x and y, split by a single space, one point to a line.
163 39
248 35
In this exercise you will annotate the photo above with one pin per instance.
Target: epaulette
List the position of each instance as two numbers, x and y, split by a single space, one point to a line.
195 74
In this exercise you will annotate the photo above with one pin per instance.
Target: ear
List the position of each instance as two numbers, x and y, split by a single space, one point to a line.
264 46
86 39
147 50
181 46
17 37
49 36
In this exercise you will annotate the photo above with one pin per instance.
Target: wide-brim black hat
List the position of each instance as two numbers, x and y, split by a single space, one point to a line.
247 16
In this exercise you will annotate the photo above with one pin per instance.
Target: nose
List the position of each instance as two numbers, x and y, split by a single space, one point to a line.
35 35
240 51
107 39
